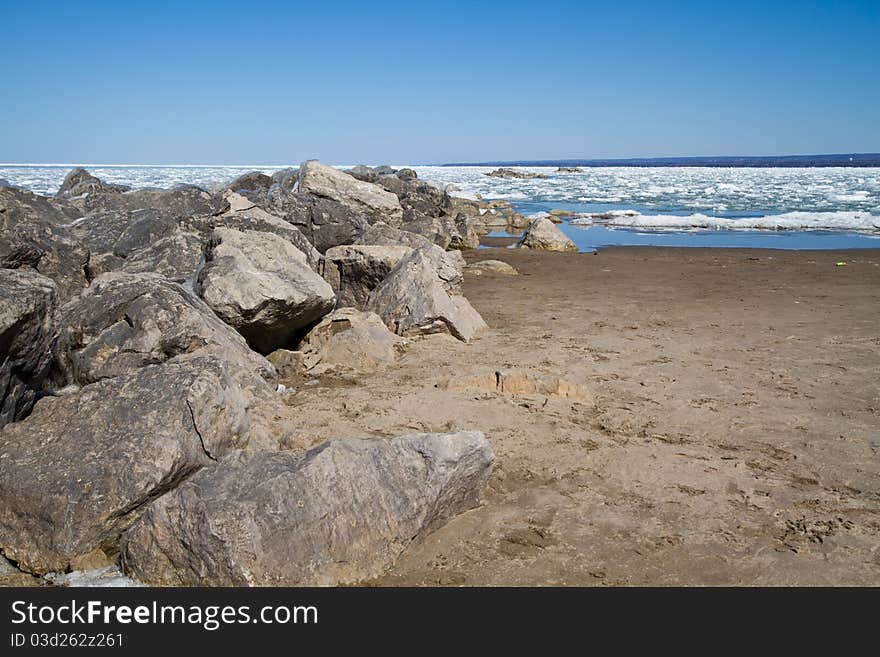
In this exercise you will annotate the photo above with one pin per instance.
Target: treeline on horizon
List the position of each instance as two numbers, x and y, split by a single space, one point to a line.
838 160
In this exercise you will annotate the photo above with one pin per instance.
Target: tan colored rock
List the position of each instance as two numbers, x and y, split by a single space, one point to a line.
350 339
543 235
327 182
491 267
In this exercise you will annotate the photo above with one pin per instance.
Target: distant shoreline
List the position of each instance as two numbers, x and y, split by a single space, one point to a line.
745 161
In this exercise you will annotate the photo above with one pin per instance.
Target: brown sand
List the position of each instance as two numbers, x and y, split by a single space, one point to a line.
732 438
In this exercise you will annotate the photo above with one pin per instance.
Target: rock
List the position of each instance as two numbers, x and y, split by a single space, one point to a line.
253 182
123 322
467 234
350 339
361 269
440 230
516 382
180 202
27 328
47 247
543 235
262 285
569 170
176 257
320 180
512 173
338 514
79 182
407 174
285 178
17 204
288 364
491 266
412 300
82 468
447 263
245 215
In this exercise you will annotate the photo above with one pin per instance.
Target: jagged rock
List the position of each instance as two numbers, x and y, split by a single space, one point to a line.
447 263
512 173
412 300
83 467
79 182
467 235
350 339
46 247
262 285
253 182
407 174
126 321
177 257
441 230
338 514
491 266
361 268
27 328
320 180
177 203
543 235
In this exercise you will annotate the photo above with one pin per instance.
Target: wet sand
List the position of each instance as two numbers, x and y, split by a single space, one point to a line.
729 432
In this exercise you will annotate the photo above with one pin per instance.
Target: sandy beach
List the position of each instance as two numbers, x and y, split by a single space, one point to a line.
723 428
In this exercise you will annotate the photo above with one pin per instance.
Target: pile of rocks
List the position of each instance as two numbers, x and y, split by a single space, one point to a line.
506 172
139 331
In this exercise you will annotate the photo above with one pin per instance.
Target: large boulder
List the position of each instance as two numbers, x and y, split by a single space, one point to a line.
49 248
126 321
27 328
338 514
244 214
350 339
543 235
449 264
412 300
179 202
17 204
363 197
82 468
176 257
262 285
361 268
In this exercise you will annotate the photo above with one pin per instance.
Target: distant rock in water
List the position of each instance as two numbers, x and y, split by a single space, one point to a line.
569 170
511 173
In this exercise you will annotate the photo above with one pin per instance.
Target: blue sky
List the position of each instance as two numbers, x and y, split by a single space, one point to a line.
425 82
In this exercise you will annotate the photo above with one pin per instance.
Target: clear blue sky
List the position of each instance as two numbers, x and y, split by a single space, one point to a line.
427 82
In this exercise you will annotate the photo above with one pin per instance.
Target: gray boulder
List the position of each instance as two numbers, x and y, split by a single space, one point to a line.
177 257
27 328
262 285
362 197
17 204
448 264
325 222
49 248
361 269
126 321
338 514
82 468
412 300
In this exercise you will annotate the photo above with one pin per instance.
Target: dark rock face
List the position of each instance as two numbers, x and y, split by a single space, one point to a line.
27 327
123 322
17 204
262 285
42 244
178 202
326 223
338 514
79 182
253 182
82 468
